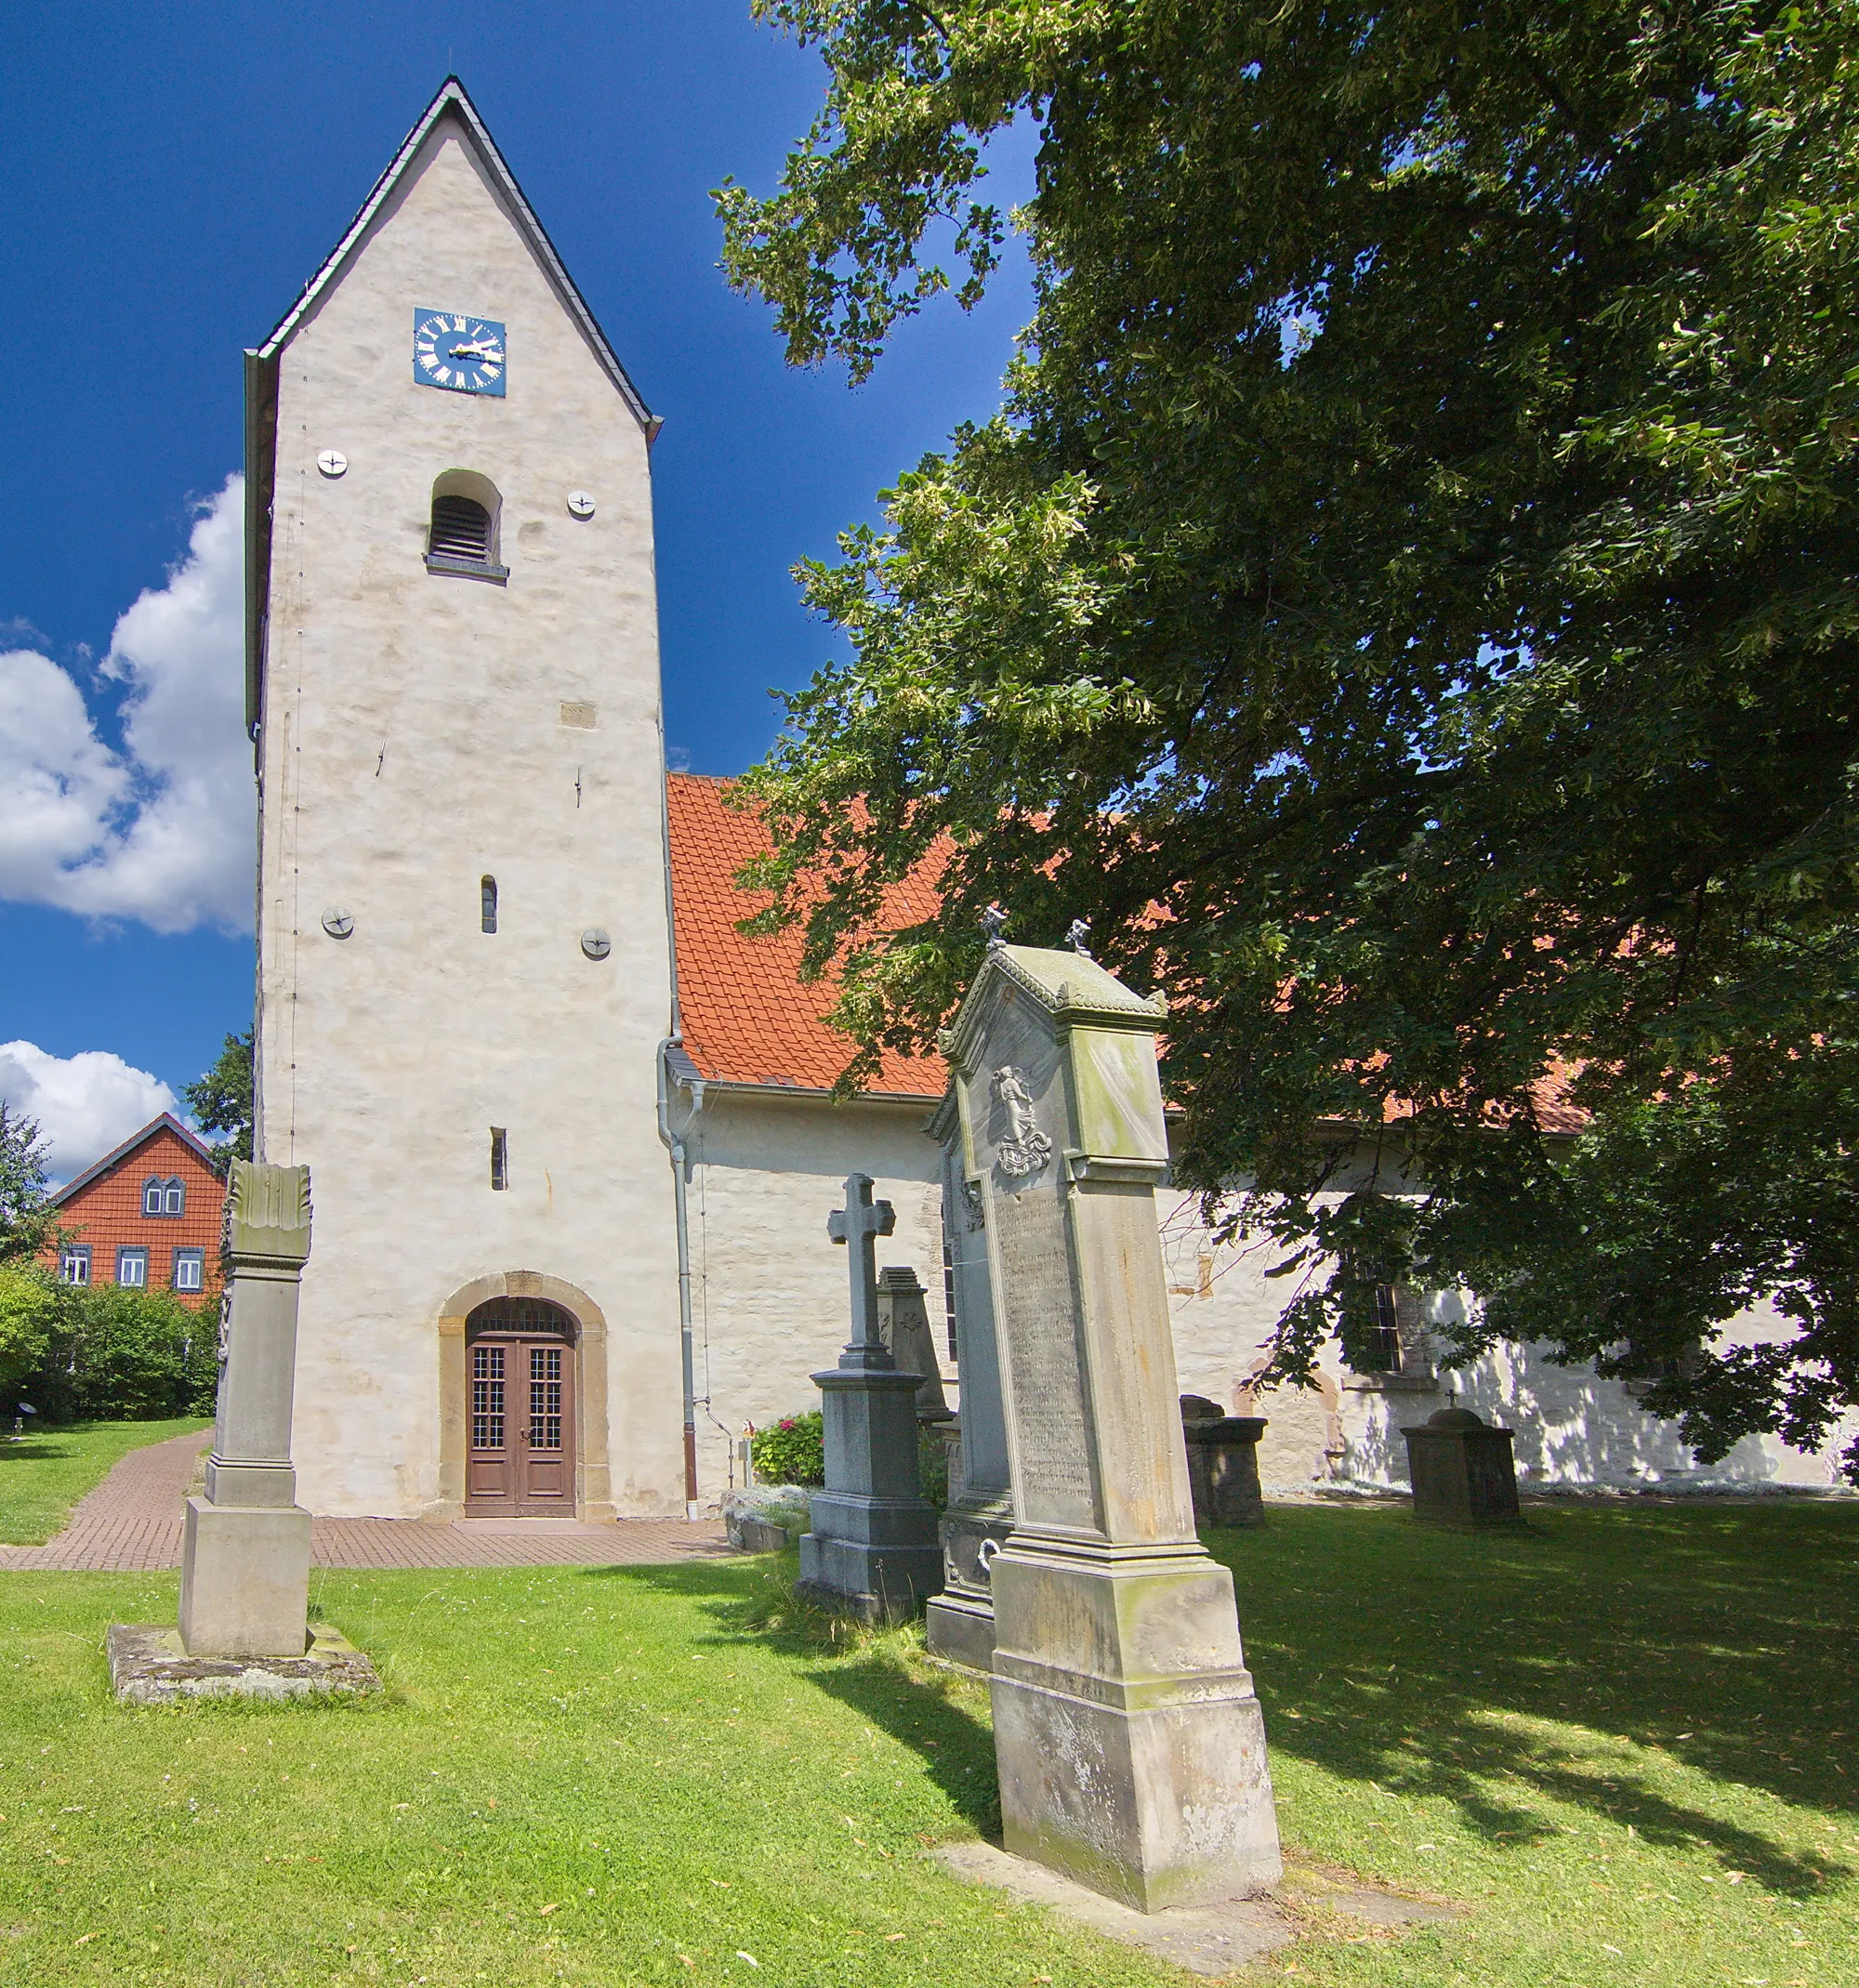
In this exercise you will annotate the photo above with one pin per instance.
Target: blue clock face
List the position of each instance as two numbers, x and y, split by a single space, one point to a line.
463 354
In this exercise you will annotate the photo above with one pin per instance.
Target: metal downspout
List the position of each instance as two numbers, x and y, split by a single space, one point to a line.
674 1145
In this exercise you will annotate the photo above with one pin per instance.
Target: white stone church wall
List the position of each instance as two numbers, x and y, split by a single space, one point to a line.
1573 1427
771 1301
771 1295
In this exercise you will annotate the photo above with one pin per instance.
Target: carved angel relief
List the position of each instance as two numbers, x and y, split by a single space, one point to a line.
1025 1149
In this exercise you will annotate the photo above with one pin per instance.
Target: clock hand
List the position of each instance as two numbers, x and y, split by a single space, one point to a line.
476 351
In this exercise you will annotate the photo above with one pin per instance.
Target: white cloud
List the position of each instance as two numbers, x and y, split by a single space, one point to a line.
86 1104
162 832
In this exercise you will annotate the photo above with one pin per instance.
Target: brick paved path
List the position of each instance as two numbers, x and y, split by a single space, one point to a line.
132 1522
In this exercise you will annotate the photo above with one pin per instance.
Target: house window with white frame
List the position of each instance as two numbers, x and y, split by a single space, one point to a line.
74 1263
132 1267
189 1269
163 1198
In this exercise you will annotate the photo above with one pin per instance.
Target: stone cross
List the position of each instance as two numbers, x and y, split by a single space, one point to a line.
858 1225
870 1549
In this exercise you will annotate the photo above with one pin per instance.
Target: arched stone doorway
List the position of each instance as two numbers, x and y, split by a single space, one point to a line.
534 1322
519 1445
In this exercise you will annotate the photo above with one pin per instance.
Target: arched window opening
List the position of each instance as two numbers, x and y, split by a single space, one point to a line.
462 537
525 1315
487 903
461 529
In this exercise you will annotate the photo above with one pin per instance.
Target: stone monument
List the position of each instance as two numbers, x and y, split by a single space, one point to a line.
871 1549
1223 1463
958 1625
244 1582
903 1324
1130 1746
1463 1470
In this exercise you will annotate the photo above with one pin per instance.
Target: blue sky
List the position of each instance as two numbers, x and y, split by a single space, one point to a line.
171 177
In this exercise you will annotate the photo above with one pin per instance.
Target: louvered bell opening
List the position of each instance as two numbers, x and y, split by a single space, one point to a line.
461 529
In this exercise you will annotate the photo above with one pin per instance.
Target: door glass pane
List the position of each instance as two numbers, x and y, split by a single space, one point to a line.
487 1397
544 1397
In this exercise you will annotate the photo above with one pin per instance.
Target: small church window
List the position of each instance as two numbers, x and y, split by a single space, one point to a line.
487 903
1385 1347
500 1157
461 529
462 537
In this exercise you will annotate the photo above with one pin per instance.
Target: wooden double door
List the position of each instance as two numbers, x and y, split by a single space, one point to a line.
521 1382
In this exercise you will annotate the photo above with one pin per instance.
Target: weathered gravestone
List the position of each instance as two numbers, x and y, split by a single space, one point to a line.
871 1549
1129 1742
244 1582
903 1324
1463 1470
958 1626
1223 1463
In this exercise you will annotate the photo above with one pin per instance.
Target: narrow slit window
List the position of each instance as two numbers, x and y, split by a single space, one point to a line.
487 903
500 1157
461 529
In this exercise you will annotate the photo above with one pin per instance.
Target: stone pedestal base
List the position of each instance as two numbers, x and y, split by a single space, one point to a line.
958 1625
244 1581
1223 1469
1462 1470
959 1629
871 1549
872 1558
151 1667
1130 1746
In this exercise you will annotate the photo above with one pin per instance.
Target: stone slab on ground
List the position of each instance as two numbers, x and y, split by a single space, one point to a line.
150 1665
1205 1940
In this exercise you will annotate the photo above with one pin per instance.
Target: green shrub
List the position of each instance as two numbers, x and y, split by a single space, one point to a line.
932 1467
793 1452
118 1355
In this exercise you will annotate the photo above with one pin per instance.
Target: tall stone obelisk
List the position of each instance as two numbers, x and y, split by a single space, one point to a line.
1130 1745
244 1583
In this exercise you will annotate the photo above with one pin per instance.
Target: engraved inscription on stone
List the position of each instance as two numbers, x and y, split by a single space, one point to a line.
1053 1465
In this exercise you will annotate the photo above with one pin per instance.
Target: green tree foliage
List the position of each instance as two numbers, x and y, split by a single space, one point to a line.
26 1308
1406 604
26 1219
793 1452
222 1101
114 1355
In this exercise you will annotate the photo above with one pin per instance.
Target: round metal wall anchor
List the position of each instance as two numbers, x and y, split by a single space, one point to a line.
595 943
338 922
333 463
580 504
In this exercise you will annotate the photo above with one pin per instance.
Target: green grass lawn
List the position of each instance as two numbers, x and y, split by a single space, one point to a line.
43 1476
1622 1741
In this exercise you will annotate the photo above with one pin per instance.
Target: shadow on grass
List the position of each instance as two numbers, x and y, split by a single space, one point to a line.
39 1449
868 1671
1418 1661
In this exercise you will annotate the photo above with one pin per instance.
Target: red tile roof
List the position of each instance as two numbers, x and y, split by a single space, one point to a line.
748 1019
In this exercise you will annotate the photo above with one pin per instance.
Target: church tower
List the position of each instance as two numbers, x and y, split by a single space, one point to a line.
464 964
